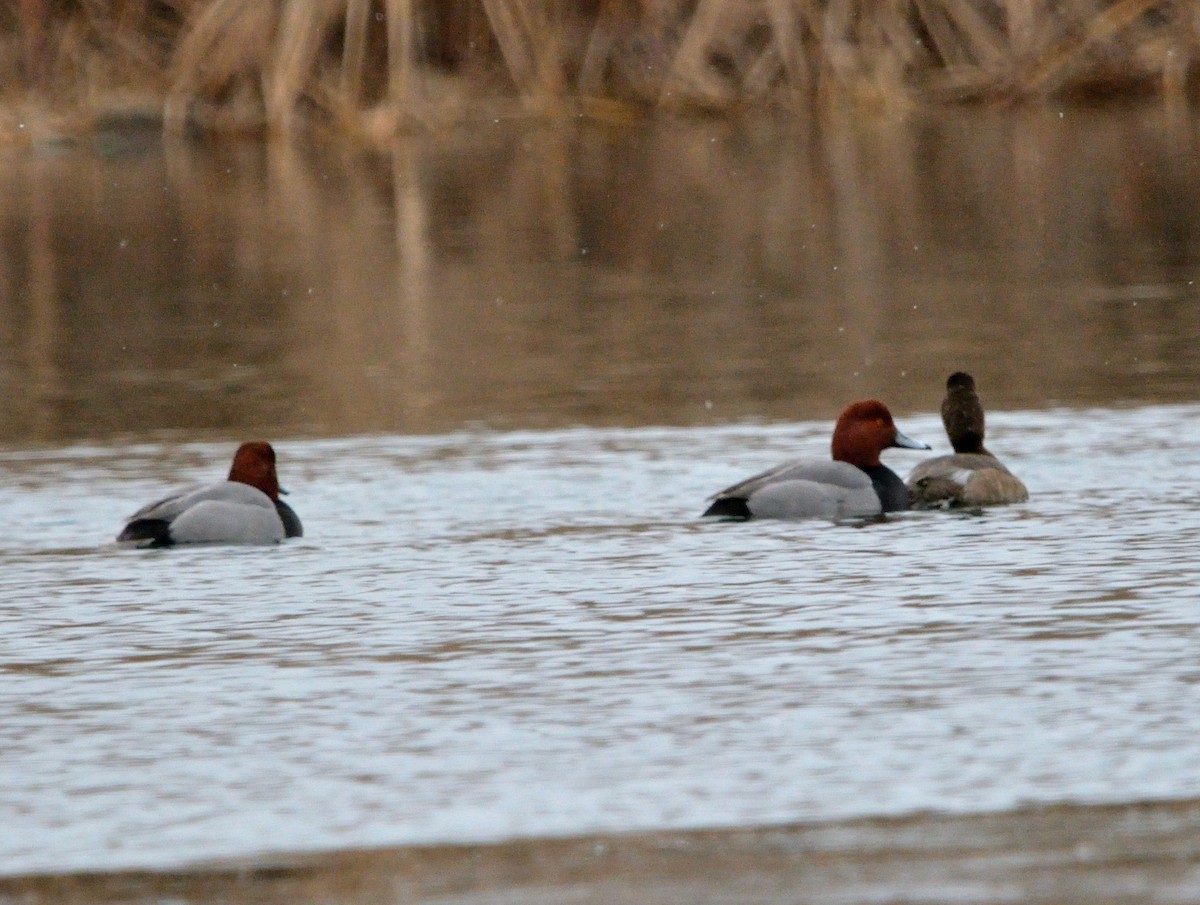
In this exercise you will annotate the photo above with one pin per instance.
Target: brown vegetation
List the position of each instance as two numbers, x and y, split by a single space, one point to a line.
375 66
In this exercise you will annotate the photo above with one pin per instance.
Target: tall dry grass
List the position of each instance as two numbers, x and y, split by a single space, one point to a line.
375 66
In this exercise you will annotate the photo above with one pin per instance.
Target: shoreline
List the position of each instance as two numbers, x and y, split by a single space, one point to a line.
1058 853
243 68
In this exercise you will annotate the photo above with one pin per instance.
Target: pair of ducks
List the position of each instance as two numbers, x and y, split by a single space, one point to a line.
246 507
856 484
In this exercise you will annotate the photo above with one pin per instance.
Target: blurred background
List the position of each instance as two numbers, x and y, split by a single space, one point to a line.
411 216
534 275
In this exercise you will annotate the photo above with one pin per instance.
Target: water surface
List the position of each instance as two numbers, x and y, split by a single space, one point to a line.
507 662
486 636
663 273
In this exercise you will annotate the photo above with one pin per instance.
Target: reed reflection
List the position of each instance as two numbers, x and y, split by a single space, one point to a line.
537 276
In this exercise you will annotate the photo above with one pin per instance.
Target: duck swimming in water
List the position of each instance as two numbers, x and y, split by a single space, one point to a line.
244 509
972 476
853 484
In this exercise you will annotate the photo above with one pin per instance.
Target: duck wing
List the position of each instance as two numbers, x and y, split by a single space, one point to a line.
799 489
964 479
195 503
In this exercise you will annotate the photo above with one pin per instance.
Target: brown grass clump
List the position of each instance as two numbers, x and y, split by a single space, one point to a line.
374 66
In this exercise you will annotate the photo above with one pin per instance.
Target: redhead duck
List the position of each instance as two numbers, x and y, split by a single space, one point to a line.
244 509
854 484
972 476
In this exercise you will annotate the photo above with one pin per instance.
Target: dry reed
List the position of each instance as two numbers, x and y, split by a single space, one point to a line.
380 65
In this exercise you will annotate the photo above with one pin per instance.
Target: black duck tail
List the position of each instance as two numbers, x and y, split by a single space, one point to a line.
728 507
148 532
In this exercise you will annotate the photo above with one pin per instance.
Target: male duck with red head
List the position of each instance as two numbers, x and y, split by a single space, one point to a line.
972 476
245 509
853 484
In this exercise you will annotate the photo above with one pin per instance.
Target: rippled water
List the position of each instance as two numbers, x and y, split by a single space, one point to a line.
491 635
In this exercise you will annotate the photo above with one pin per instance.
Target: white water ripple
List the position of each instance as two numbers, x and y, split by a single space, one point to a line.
495 635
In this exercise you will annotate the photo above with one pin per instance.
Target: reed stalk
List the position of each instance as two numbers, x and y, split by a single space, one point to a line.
281 64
